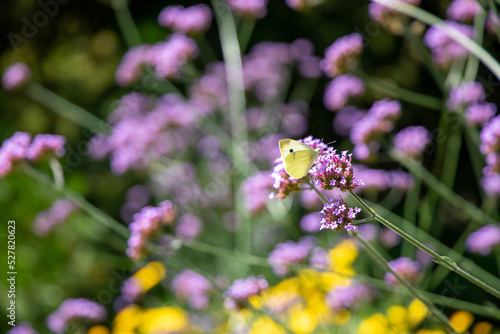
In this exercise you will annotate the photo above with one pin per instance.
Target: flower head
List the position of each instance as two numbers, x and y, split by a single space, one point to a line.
75 309
289 253
15 76
344 297
443 48
465 94
44 144
190 20
333 170
405 268
338 215
342 55
255 190
463 10
480 113
188 227
340 89
23 328
411 141
483 240
192 287
143 280
47 220
489 137
242 289
251 8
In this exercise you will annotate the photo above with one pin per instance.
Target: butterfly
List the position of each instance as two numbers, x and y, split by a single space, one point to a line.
297 157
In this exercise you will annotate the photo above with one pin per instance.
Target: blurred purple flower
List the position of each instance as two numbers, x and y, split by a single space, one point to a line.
483 240
491 184
188 227
345 119
319 258
308 67
373 178
250 8
209 93
344 297
23 327
342 55
98 147
255 190
310 200
479 114
191 20
46 144
47 220
382 14
290 253
75 309
423 257
400 180
405 268
311 222
192 287
389 238
465 94
301 48
368 231
242 289
340 89
293 118
463 10
444 49
13 149
489 137
16 76
338 215
412 141
130 67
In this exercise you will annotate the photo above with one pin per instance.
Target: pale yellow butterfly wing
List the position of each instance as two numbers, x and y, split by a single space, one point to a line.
298 163
288 146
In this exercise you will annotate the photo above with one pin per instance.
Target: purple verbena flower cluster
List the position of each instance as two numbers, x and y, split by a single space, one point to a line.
489 138
483 240
146 223
242 289
15 76
44 144
379 120
464 95
191 20
47 220
443 48
463 10
290 253
23 327
404 267
411 141
188 227
338 215
345 297
249 8
340 89
342 55
75 309
192 287
255 190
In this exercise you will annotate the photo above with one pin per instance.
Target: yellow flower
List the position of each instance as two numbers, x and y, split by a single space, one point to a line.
341 318
163 320
482 327
430 331
376 324
461 320
266 325
343 255
98 329
397 315
302 321
281 296
416 312
150 275
127 320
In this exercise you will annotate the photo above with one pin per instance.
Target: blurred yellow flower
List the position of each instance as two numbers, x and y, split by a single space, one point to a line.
482 327
163 320
430 331
397 315
343 255
416 312
461 320
150 275
127 320
376 324
302 321
341 318
280 297
266 325
98 329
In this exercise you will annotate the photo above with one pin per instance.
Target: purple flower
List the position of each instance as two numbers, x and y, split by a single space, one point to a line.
242 289
251 8
389 238
382 14
405 268
255 190
130 67
47 220
188 227
340 89
332 170
344 297
443 48
289 253
342 55
75 309
483 240
491 184
293 119
311 222
368 231
13 150
489 137
209 93
463 10
465 94
412 141
23 328
15 76
372 178
479 114
192 287
191 20
146 223
338 215
345 119
46 144
400 180
308 67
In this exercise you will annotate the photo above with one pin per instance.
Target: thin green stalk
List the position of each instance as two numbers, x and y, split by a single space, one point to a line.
471 140
245 31
237 105
472 61
126 23
442 260
440 317
86 206
432 20
65 108
410 212
57 172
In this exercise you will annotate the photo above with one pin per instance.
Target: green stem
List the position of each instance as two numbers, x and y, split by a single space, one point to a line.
86 206
66 109
410 212
441 318
442 260
57 172
472 61
432 20
126 23
245 31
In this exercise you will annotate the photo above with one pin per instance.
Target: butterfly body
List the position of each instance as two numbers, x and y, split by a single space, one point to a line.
297 157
